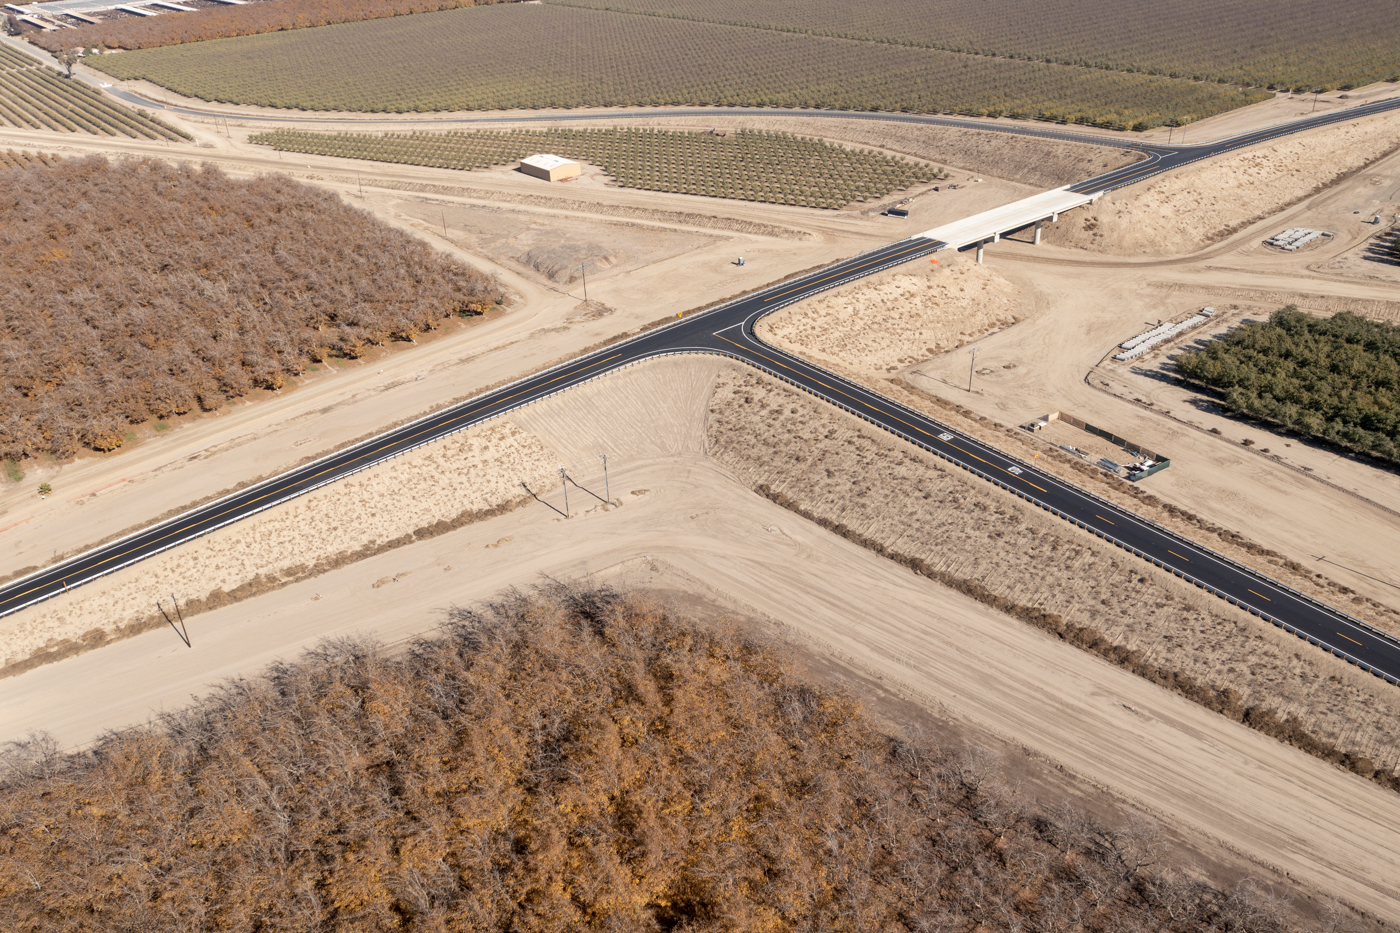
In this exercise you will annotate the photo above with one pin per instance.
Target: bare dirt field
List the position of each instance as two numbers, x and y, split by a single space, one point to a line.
555 245
1230 796
1197 205
1369 259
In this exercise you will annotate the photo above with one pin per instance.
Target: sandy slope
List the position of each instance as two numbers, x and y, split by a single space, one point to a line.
1197 205
1224 789
899 316
475 470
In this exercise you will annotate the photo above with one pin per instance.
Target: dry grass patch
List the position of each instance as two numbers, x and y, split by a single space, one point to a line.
423 493
897 317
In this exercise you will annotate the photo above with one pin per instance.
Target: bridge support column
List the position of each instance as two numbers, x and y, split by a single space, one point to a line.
1038 225
981 245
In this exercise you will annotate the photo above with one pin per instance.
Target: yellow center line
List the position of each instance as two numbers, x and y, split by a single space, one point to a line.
1261 596
836 275
1170 551
1102 519
273 492
1352 640
913 427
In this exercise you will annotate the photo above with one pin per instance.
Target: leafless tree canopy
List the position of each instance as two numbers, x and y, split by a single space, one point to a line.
138 289
563 761
139 32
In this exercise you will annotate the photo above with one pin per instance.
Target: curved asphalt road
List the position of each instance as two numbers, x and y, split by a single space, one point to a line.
728 330
1022 128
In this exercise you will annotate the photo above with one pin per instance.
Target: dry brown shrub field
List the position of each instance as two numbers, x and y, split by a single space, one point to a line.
249 19
34 96
139 289
538 55
965 534
1253 42
570 759
753 166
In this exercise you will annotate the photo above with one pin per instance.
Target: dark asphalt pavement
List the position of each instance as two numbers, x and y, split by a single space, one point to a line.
728 330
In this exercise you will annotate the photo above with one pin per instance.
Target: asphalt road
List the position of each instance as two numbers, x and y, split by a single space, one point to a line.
728 330
1020 128
1165 158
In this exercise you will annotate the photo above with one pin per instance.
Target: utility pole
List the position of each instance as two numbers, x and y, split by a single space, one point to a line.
564 481
361 183
1315 93
971 367
583 268
180 629
606 491
444 222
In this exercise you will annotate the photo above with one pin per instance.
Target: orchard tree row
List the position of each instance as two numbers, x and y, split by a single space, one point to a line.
748 165
139 290
1336 378
518 55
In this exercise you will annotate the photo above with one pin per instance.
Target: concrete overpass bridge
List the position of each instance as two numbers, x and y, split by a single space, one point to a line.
990 226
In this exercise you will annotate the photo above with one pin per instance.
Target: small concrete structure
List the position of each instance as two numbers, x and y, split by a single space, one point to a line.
988 226
550 167
1148 462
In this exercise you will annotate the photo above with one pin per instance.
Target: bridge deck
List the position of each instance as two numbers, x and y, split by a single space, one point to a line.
991 224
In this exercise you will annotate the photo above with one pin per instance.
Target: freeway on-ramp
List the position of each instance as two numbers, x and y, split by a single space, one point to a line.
729 330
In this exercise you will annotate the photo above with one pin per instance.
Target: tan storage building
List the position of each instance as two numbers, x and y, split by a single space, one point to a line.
550 167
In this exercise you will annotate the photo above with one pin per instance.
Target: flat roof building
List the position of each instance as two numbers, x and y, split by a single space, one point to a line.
550 167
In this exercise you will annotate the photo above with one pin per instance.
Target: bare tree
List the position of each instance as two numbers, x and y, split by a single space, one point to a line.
68 57
260 279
